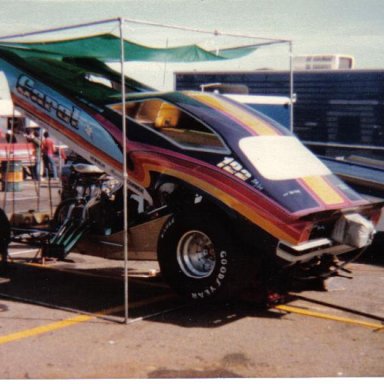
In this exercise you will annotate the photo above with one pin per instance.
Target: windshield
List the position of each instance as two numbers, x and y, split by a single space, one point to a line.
282 157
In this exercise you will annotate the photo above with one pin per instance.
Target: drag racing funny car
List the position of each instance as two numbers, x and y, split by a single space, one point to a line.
219 194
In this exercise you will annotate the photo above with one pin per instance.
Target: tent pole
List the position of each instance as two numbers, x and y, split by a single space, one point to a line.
59 29
125 174
291 90
204 31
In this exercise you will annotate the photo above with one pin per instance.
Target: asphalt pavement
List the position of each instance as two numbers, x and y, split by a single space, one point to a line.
66 320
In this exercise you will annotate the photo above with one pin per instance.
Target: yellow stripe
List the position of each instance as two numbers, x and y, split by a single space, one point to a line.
305 312
44 329
76 320
248 119
323 190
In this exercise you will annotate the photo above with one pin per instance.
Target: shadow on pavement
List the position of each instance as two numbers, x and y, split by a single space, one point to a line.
87 290
149 298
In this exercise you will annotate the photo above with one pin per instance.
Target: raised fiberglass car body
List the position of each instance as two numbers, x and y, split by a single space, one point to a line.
221 192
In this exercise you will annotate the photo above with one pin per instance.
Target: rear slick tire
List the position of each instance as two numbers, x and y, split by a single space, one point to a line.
198 258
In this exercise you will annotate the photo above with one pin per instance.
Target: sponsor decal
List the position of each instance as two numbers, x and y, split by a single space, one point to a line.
217 282
26 87
257 184
292 192
88 130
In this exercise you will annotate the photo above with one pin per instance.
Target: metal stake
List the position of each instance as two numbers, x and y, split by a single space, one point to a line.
125 174
291 90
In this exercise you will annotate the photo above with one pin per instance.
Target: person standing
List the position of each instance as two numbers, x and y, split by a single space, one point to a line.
34 138
10 137
48 149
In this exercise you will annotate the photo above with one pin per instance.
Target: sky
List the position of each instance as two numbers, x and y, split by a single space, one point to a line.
352 27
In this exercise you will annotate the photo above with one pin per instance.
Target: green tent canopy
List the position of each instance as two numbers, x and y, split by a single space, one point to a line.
106 47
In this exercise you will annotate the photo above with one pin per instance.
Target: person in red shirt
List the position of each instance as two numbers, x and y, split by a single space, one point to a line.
48 149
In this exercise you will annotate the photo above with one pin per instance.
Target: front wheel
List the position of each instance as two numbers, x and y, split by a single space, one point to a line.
199 258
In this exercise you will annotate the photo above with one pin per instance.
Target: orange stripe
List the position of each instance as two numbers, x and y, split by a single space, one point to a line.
260 127
323 190
243 209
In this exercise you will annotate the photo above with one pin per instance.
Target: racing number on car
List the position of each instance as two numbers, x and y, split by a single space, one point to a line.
232 166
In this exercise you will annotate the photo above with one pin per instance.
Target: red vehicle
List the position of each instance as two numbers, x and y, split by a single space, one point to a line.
23 152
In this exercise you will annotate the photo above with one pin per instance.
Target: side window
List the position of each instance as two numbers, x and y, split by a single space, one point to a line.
176 125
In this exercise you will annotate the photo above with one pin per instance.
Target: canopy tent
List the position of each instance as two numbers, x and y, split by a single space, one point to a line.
106 41
107 47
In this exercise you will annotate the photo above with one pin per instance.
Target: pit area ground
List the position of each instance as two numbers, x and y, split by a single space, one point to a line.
65 320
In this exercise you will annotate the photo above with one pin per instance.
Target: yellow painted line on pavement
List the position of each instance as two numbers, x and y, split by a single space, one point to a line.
287 308
44 329
76 320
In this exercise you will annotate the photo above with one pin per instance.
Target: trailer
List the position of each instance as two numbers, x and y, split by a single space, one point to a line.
336 112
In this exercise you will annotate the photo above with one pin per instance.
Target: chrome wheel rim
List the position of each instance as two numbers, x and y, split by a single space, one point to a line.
196 254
